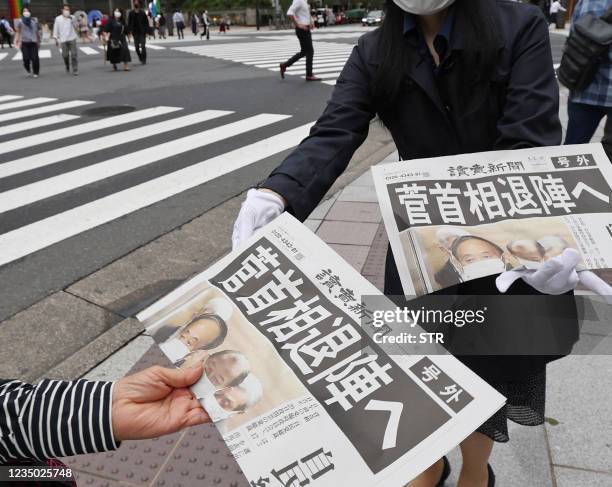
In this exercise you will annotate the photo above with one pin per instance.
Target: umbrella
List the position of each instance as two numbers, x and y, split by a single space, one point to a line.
92 15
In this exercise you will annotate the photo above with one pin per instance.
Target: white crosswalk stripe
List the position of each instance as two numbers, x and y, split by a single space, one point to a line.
36 123
89 51
329 57
42 54
57 107
25 103
18 241
5 98
3 55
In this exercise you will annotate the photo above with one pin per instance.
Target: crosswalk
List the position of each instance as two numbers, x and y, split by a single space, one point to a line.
87 50
329 59
48 158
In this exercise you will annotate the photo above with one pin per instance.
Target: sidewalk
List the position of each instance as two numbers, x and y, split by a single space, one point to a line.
573 449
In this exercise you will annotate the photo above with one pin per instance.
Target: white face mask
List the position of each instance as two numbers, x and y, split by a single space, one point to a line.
482 268
423 7
529 264
214 410
117 15
203 388
66 13
174 349
27 15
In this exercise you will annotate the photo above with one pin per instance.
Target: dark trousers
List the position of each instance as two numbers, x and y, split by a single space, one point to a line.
205 32
306 49
179 30
584 120
141 48
29 51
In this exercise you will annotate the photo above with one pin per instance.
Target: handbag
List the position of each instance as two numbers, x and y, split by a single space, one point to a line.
585 49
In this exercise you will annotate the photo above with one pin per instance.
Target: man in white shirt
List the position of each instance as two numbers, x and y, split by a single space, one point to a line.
299 14
64 33
555 8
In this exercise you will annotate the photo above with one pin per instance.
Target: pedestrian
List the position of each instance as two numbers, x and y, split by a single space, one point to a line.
27 39
556 9
445 77
83 27
205 25
65 35
150 25
6 32
299 14
194 24
116 40
586 107
100 414
179 23
222 26
138 27
161 25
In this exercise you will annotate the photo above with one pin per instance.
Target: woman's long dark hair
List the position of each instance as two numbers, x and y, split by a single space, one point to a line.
479 40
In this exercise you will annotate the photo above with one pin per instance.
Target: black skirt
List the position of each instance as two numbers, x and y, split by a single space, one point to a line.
521 379
119 54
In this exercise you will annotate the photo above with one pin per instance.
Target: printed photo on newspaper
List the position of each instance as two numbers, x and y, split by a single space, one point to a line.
298 389
456 218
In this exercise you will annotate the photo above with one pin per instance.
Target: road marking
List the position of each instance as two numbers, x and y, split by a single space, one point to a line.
4 98
334 65
29 193
330 83
46 109
155 47
25 103
42 54
36 123
94 145
3 55
89 50
22 241
84 128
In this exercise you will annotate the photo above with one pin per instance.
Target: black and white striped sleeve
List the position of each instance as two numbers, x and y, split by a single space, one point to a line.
55 419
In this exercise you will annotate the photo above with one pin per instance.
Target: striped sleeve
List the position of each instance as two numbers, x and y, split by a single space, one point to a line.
55 419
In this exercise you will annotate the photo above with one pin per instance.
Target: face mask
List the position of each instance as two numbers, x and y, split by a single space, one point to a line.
174 349
423 7
66 13
482 268
27 15
530 264
117 15
214 410
203 388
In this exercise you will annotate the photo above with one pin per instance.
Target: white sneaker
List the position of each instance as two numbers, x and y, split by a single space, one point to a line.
34 76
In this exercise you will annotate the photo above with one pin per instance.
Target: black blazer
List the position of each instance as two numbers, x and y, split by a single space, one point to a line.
517 108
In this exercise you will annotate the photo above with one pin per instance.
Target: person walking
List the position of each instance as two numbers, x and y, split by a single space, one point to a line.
205 25
445 77
28 40
116 39
299 14
65 35
138 27
194 23
161 25
587 107
556 9
179 24
6 32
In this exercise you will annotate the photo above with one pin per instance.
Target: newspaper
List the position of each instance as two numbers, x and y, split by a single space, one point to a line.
298 389
457 218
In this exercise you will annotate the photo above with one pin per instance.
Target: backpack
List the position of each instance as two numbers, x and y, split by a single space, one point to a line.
586 47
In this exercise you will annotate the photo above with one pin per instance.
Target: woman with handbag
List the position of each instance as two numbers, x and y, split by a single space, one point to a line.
117 44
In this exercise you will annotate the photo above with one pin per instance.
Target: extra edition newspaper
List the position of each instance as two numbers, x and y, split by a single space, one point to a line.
452 219
298 389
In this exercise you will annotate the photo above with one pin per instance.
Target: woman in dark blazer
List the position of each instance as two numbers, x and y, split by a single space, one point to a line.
445 77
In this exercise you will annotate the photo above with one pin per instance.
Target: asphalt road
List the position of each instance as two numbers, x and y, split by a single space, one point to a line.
94 166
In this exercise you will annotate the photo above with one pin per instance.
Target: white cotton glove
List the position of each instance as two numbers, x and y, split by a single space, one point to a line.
556 276
258 209
594 283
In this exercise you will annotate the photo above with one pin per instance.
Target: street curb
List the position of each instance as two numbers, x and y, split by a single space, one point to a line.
96 351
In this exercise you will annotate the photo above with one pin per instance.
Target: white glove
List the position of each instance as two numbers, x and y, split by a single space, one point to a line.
557 276
596 284
258 209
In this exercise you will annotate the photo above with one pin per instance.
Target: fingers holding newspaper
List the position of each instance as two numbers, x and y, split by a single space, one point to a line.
260 207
